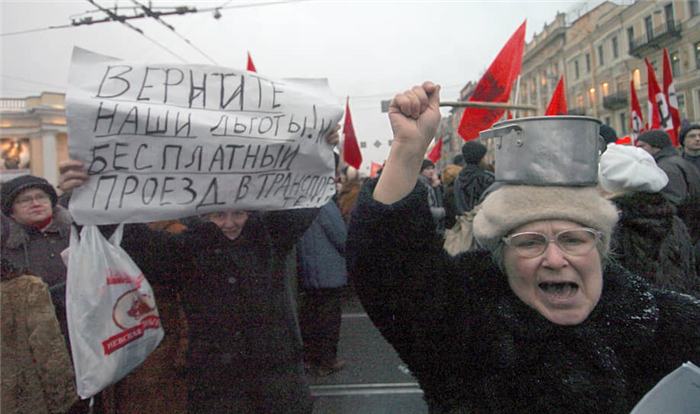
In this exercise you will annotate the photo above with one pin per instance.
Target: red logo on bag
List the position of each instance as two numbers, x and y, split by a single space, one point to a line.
134 312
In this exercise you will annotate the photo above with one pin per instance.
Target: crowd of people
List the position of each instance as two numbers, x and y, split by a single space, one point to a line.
576 298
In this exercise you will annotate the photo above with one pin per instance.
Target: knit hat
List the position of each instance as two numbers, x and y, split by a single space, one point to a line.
684 132
11 189
655 138
458 160
628 168
608 134
426 164
473 152
512 206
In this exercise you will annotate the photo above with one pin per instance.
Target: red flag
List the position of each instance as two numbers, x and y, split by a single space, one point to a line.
659 115
494 86
373 169
557 106
672 99
436 152
351 151
250 67
636 119
509 115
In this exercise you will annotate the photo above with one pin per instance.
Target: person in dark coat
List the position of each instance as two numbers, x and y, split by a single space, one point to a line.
650 240
473 179
683 177
322 272
244 353
539 321
35 230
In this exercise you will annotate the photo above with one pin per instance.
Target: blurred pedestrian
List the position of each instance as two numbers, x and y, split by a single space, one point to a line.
473 179
429 178
322 273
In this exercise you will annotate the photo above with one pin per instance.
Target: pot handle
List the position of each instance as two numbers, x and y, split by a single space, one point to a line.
499 132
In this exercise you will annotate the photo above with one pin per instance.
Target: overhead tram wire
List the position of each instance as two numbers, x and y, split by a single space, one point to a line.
149 12
121 19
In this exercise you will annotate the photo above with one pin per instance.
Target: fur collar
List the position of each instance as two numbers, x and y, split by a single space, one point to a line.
18 234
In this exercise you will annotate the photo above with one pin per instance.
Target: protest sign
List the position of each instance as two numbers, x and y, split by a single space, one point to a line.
164 141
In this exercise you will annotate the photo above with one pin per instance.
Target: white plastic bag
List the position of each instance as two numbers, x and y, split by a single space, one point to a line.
113 321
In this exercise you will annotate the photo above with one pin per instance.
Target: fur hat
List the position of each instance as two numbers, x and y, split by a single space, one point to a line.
684 132
426 164
655 138
473 152
511 206
449 174
11 189
628 168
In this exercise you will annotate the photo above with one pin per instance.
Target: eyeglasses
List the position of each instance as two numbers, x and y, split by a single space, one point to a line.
575 242
26 201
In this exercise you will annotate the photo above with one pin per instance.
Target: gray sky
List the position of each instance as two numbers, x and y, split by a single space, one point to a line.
368 50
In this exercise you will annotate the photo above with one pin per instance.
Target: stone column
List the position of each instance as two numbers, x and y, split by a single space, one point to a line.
48 143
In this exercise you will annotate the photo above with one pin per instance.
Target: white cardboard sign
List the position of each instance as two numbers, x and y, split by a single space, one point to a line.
164 141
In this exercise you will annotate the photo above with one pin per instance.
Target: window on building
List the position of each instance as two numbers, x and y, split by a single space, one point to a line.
555 69
697 55
694 6
577 74
624 126
675 63
630 37
637 78
649 26
588 63
605 89
615 48
579 100
682 110
601 56
670 17
591 94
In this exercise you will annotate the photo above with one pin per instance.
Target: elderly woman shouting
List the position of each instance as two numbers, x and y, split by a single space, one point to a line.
540 321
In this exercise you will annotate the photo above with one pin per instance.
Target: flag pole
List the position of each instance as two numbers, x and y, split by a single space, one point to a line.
490 105
517 95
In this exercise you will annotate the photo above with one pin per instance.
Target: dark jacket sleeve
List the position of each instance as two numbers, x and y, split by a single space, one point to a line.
159 254
402 274
287 226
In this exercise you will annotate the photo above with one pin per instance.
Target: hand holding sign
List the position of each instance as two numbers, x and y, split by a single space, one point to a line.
161 142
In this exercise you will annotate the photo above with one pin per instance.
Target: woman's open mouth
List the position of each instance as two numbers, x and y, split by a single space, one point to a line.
559 290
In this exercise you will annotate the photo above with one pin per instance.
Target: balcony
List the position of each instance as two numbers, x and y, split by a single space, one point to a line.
656 40
576 111
615 101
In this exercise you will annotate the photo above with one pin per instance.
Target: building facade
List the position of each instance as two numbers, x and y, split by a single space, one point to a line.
33 136
602 53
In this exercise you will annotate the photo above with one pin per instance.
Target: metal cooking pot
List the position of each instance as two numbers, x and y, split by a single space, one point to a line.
546 150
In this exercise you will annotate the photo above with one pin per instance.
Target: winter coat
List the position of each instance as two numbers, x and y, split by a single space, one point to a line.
683 177
37 372
39 252
470 184
234 292
692 159
321 251
475 347
651 241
